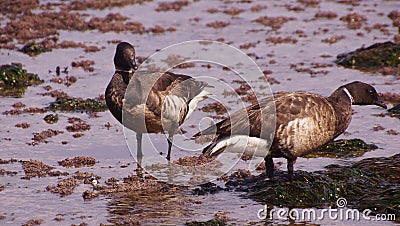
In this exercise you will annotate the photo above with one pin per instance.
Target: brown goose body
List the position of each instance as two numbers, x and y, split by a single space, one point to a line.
150 109
306 121
156 102
303 122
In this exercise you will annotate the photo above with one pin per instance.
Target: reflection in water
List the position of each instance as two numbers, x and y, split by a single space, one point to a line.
11 91
149 206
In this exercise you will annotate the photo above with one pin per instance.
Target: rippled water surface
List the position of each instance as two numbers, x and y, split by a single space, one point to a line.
23 200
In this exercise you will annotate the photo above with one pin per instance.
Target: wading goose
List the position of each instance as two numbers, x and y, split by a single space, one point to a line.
304 122
170 101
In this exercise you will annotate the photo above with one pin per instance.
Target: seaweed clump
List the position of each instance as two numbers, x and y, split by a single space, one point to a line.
212 222
42 136
395 111
14 80
14 75
79 161
51 118
368 184
376 56
343 149
34 168
207 188
34 49
64 187
77 104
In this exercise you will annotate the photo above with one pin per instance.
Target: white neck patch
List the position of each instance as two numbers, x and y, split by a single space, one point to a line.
348 94
119 70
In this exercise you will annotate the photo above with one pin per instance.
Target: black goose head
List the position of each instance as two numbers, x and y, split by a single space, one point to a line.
362 94
124 58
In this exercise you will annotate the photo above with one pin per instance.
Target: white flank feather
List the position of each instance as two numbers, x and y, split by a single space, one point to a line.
172 107
250 146
193 103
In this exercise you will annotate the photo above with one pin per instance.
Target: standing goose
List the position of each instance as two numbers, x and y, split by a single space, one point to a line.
304 122
157 103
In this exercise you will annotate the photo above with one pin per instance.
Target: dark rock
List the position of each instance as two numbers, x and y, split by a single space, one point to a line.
376 56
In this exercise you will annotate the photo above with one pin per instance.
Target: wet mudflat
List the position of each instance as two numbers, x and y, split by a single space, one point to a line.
64 159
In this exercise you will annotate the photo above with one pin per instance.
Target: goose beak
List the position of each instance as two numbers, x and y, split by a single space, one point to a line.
134 65
380 104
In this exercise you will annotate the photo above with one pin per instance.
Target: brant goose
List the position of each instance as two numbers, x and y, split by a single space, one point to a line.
304 122
162 109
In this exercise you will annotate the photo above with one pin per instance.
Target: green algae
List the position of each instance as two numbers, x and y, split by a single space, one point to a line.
14 80
371 183
51 118
307 190
376 56
14 75
34 49
212 222
77 104
11 91
343 149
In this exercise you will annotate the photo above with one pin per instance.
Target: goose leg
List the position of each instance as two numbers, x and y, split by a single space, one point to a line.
139 146
139 155
269 167
170 140
290 163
